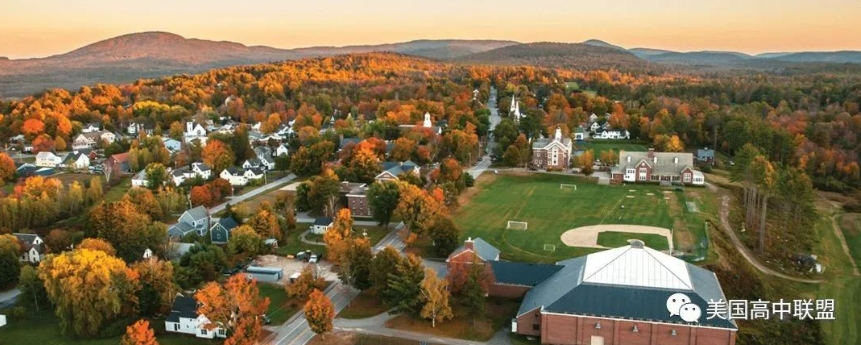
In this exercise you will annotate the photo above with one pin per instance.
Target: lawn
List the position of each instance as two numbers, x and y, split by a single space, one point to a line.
498 313
363 306
43 328
279 308
550 211
599 146
294 245
348 338
614 239
850 223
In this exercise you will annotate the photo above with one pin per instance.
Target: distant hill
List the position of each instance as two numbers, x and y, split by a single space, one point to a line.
154 54
600 43
699 58
836 57
568 55
646 52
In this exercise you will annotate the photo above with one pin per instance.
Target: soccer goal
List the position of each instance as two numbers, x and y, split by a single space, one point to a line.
567 186
515 225
549 247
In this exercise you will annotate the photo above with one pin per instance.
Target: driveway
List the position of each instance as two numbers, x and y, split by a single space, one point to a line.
290 266
8 297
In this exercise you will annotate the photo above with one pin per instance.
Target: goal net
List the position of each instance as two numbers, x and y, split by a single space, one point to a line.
549 247
515 225
567 186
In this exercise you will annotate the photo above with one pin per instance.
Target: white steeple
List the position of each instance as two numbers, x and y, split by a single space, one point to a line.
558 133
427 121
517 111
511 108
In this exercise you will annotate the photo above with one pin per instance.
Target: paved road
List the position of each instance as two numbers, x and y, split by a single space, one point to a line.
8 298
477 170
296 331
237 199
745 252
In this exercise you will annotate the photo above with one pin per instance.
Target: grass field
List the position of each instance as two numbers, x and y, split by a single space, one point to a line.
599 146
498 313
614 239
43 328
850 223
293 245
279 310
363 306
550 211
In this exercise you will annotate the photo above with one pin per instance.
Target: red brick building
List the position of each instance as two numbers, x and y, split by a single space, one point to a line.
614 297
552 153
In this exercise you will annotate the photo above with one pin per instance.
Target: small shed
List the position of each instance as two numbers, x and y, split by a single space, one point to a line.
264 274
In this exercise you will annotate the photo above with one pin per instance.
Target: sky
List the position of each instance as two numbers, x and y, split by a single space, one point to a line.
38 28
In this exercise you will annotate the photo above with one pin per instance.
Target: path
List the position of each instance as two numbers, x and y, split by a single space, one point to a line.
587 236
240 198
484 164
745 252
376 325
8 298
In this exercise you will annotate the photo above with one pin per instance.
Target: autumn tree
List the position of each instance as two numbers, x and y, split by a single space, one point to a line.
146 202
157 286
308 281
383 198
97 244
435 296
130 231
235 307
244 239
324 192
403 149
156 175
444 233
265 222
319 312
139 333
33 127
109 291
609 157
201 263
339 236
416 207
58 240
384 264
218 155
59 143
200 195
586 162
403 293
10 251
7 168
95 191
32 289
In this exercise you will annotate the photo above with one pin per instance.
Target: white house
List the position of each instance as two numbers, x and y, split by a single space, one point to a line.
172 145
140 180
321 225
33 250
281 150
90 128
194 131
202 170
254 174
234 175
108 137
47 159
264 163
76 160
184 318
611 134
86 140
196 170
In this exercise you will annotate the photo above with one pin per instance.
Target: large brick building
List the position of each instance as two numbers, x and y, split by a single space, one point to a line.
651 166
552 153
614 297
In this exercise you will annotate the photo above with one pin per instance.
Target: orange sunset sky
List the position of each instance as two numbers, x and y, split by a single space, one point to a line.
45 27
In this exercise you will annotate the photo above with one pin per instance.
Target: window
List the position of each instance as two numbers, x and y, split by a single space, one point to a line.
687 177
643 172
176 327
202 331
222 332
536 327
630 171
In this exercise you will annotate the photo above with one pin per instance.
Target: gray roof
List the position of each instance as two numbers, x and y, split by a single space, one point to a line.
344 142
197 213
27 240
227 223
397 168
526 274
569 292
179 171
254 162
201 166
705 153
235 171
180 229
323 221
543 142
185 307
662 163
485 251
72 157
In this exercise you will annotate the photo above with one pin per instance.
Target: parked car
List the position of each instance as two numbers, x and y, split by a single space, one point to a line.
313 259
266 319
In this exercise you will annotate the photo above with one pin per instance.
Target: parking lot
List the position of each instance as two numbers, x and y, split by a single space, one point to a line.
291 266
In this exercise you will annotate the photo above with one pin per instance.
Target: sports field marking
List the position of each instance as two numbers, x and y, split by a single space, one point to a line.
549 247
516 225
650 193
587 236
629 196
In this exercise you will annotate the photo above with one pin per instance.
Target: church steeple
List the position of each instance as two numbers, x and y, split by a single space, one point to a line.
517 111
427 121
513 105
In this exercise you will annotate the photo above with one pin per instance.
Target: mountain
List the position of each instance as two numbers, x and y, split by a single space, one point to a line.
567 55
646 52
835 57
154 54
771 55
700 58
600 43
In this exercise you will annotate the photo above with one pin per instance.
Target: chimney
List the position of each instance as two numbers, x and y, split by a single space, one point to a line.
558 133
629 158
651 152
469 244
676 160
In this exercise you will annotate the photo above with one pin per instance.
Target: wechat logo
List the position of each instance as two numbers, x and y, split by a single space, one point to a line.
681 305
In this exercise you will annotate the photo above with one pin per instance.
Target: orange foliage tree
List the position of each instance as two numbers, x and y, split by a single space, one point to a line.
319 312
7 167
139 334
235 306
218 155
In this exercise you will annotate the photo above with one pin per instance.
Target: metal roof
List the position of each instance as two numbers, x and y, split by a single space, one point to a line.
323 221
630 266
516 273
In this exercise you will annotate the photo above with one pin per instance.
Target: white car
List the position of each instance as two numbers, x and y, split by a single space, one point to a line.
313 259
